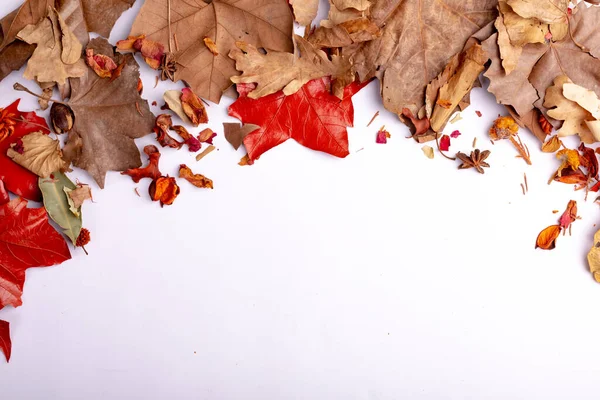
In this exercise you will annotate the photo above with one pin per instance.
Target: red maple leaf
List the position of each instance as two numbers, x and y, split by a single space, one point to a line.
16 178
312 116
26 240
5 343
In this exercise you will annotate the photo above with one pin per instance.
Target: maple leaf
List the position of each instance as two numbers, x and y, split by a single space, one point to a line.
5 343
265 24
276 71
17 179
26 240
312 116
39 153
576 55
419 36
108 117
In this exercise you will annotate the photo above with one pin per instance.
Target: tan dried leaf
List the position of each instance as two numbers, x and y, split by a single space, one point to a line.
173 100
548 11
58 52
552 145
428 151
276 71
419 37
39 154
29 13
235 134
345 34
265 24
305 11
594 258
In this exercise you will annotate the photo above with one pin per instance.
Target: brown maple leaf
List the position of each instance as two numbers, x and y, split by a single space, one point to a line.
109 115
576 55
419 36
267 24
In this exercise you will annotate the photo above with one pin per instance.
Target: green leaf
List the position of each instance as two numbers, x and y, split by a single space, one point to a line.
57 204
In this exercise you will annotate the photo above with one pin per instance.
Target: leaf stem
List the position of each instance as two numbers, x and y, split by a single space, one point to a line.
18 87
437 142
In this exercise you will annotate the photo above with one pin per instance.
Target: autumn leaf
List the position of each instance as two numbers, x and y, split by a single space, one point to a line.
575 55
419 36
312 116
552 145
548 11
4 196
76 197
594 258
235 134
107 146
200 181
305 10
5 342
58 52
546 240
17 179
39 153
26 240
344 34
267 24
277 71
57 204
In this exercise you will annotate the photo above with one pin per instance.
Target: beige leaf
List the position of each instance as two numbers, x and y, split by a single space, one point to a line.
263 24
74 210
346 33
77 197
275 71
418 38
235 134
522 31
584 97
548 11
173 100
594 257
552 145
58 52
360 5
509 53
39 154
573 115
428 151
305 10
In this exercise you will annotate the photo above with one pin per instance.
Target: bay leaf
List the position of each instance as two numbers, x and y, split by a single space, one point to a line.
57 204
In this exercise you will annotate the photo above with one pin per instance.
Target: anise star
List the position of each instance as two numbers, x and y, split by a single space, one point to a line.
168 67
475 160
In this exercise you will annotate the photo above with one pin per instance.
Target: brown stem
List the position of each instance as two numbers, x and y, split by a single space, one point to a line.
437 142
86 253
169 22
17 86
23 120
521 149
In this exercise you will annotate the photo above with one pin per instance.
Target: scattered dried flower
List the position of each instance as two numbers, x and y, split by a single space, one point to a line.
428 151
193 107
200 181
546 239
507 128
151 170
164 189
421 125
193 143
445 143
552 145
211 45
102 65
207 136
382 136
161 128
455 134
153 52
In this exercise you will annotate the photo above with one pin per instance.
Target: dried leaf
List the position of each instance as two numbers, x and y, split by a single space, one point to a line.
58 52
109 146
38 153
78 195
546 239
235 133
212 46
552 145
569 160
151 170
346 33
276 71
548 11
428 151
200 181
305 10
164 189
57 204
5 342
594 257
173 100
266 24
26 240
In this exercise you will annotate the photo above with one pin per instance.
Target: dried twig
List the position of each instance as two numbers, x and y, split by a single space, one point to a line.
169 23
206 152
474 142
137 107
525 178
21 88
373 119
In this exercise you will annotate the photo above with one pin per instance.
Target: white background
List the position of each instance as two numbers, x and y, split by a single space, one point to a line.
385 275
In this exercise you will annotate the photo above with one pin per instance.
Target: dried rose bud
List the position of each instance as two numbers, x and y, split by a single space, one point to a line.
62 118
164 189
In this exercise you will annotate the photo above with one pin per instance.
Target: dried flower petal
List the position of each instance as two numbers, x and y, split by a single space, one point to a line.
421 125
546 239
200 181
7 124
552 145
161 128
569 216
207 136
193 107
153 52
455 134
503 128
245 161
588 160
151 170
102 65
382 136
212 46
545 125
428 151
193 143
445 143
164 189
569 160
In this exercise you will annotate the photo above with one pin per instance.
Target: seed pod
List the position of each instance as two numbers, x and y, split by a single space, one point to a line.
62 118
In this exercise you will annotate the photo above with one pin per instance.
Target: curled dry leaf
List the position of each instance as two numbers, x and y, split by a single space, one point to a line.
172 100
39 153
58 52
206 136
546 239
552 145
151 170
57 204
588 160
569 161
548 11
193 143
164 189
266 24
78 196
200 181
161 128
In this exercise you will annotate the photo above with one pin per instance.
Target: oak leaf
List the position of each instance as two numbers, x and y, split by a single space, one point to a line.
58 52
108 117
26 240
419 36
39 153
312 116
265 24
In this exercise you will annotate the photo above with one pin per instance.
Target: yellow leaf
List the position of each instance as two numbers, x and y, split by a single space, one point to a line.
552 145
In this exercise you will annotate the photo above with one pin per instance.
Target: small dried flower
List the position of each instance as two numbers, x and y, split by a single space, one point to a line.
7 124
